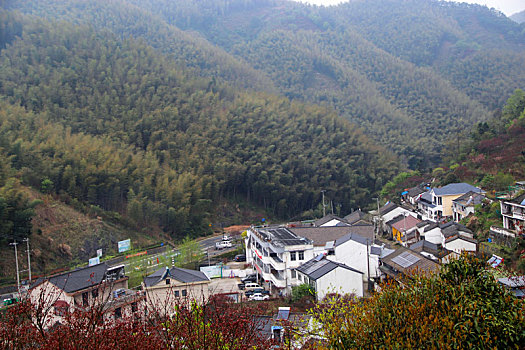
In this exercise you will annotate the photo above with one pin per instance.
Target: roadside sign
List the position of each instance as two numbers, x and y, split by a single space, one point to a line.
99 252
94 261
124 246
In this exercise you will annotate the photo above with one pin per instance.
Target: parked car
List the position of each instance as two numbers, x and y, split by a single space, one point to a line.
251 285
241 286
223 244
249 278
259 297
262 291
240 257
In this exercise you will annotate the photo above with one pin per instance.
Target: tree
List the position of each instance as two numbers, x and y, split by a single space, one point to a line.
190 253
303 292
463 307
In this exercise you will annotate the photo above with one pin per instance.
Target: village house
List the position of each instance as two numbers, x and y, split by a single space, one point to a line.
442 198
451 235
413 194
98 286
464 205
403 262
167 287
390 211
325 276
513 212
404 229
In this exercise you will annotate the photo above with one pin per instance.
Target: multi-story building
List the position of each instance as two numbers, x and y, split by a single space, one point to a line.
275 253
513 213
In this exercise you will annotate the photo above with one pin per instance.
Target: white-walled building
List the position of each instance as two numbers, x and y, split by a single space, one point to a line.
326 276
513 212
275 253
390 211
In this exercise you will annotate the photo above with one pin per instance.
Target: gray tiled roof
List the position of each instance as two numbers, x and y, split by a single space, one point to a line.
79 279
451 228
470 198
456 188
354 217
422 264
387 208
424 246
354 237
317 268
177 273
327 219
320 235
415 191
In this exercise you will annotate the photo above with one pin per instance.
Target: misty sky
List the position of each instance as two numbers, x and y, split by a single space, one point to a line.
508 7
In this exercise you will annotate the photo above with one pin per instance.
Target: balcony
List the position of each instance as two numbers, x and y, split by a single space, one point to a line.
277 281
518 215
277 263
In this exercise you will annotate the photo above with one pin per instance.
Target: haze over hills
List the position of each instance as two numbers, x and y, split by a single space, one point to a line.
412 73
518 17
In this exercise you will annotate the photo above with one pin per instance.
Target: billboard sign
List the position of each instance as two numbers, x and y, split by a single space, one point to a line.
94 261
124 246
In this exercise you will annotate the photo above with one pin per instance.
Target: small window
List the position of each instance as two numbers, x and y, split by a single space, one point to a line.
85 299
301 255
184 293
177 294
167 281
294 273
292 256
94 293
134 307
118 313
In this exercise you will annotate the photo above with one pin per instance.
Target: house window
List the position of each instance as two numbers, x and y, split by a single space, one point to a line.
94 293
177 294
301 255
184 293
85 299
61 308
294 273
440 200
167 281
292 256
118 313
134 307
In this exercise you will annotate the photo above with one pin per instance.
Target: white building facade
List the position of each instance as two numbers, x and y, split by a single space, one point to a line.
276 253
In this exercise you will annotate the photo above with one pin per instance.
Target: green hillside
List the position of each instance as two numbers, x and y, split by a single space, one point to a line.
412 74
113 123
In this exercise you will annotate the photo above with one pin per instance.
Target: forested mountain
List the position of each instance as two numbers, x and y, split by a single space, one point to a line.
412 73
518 17
113 123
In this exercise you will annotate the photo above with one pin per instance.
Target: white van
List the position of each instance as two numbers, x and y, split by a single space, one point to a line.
251 285
223 244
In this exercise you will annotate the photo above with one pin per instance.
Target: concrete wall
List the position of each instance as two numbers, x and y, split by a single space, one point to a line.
340 280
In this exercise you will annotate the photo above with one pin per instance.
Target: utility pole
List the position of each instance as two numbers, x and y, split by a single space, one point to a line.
16 261
28 259
378 220
324 206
